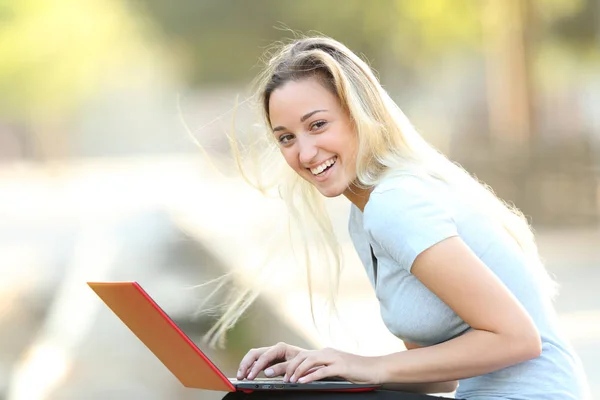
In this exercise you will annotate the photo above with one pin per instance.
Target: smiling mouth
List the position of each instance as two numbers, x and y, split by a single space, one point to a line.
321 169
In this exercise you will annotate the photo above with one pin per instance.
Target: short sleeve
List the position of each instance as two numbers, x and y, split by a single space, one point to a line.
408 218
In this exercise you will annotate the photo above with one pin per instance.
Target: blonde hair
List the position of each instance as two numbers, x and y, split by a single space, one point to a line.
387 144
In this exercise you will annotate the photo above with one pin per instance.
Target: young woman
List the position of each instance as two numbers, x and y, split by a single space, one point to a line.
456 271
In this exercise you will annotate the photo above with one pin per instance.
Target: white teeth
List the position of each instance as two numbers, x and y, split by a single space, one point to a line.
321 168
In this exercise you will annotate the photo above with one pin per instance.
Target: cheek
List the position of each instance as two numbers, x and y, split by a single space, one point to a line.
352 143
347 145
349 153
290 157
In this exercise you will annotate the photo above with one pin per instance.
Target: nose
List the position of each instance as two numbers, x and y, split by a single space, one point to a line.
308 150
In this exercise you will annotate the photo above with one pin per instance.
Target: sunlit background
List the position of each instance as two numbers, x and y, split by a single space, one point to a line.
100 179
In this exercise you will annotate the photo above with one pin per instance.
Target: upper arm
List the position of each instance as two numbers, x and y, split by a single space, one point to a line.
417 229
411 345
460 279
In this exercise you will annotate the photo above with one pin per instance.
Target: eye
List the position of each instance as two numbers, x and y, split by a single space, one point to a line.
285 138
315 126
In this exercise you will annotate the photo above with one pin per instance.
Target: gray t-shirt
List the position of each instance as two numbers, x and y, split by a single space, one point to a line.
406 215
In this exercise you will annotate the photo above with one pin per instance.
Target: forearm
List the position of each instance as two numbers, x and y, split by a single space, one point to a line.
472 354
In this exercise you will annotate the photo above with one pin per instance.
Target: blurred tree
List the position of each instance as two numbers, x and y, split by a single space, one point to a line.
515 33
523 42
53 54
220 41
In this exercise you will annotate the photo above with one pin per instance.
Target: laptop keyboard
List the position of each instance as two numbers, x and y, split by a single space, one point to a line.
280 381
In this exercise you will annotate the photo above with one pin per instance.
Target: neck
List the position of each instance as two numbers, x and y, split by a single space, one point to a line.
358 196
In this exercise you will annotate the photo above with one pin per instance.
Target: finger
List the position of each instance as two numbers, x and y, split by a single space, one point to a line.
311 370
317 374
244 374
248 361
276 369
293 365
307 364
270 356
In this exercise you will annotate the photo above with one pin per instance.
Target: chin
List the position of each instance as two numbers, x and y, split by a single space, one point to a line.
330 192
327 189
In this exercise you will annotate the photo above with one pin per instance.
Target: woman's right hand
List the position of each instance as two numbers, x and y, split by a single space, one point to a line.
273 360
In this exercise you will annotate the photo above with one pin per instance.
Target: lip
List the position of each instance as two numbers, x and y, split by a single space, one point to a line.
324 177
315 165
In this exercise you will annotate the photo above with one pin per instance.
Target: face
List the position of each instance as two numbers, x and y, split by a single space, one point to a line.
315 135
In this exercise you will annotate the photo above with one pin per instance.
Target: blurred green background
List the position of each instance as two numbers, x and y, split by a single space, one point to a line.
101 102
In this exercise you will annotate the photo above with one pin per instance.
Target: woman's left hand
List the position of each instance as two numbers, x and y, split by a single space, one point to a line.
315 365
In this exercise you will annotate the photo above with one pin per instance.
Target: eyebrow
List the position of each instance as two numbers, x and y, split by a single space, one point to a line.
304 118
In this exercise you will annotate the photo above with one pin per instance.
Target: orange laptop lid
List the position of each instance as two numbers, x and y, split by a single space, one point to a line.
160 334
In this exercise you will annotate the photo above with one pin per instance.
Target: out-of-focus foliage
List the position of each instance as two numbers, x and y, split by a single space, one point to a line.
220 37
54 52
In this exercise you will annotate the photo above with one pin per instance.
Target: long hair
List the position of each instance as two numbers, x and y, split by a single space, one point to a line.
387 144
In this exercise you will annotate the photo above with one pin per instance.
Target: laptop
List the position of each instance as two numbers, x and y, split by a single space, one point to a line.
130 302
